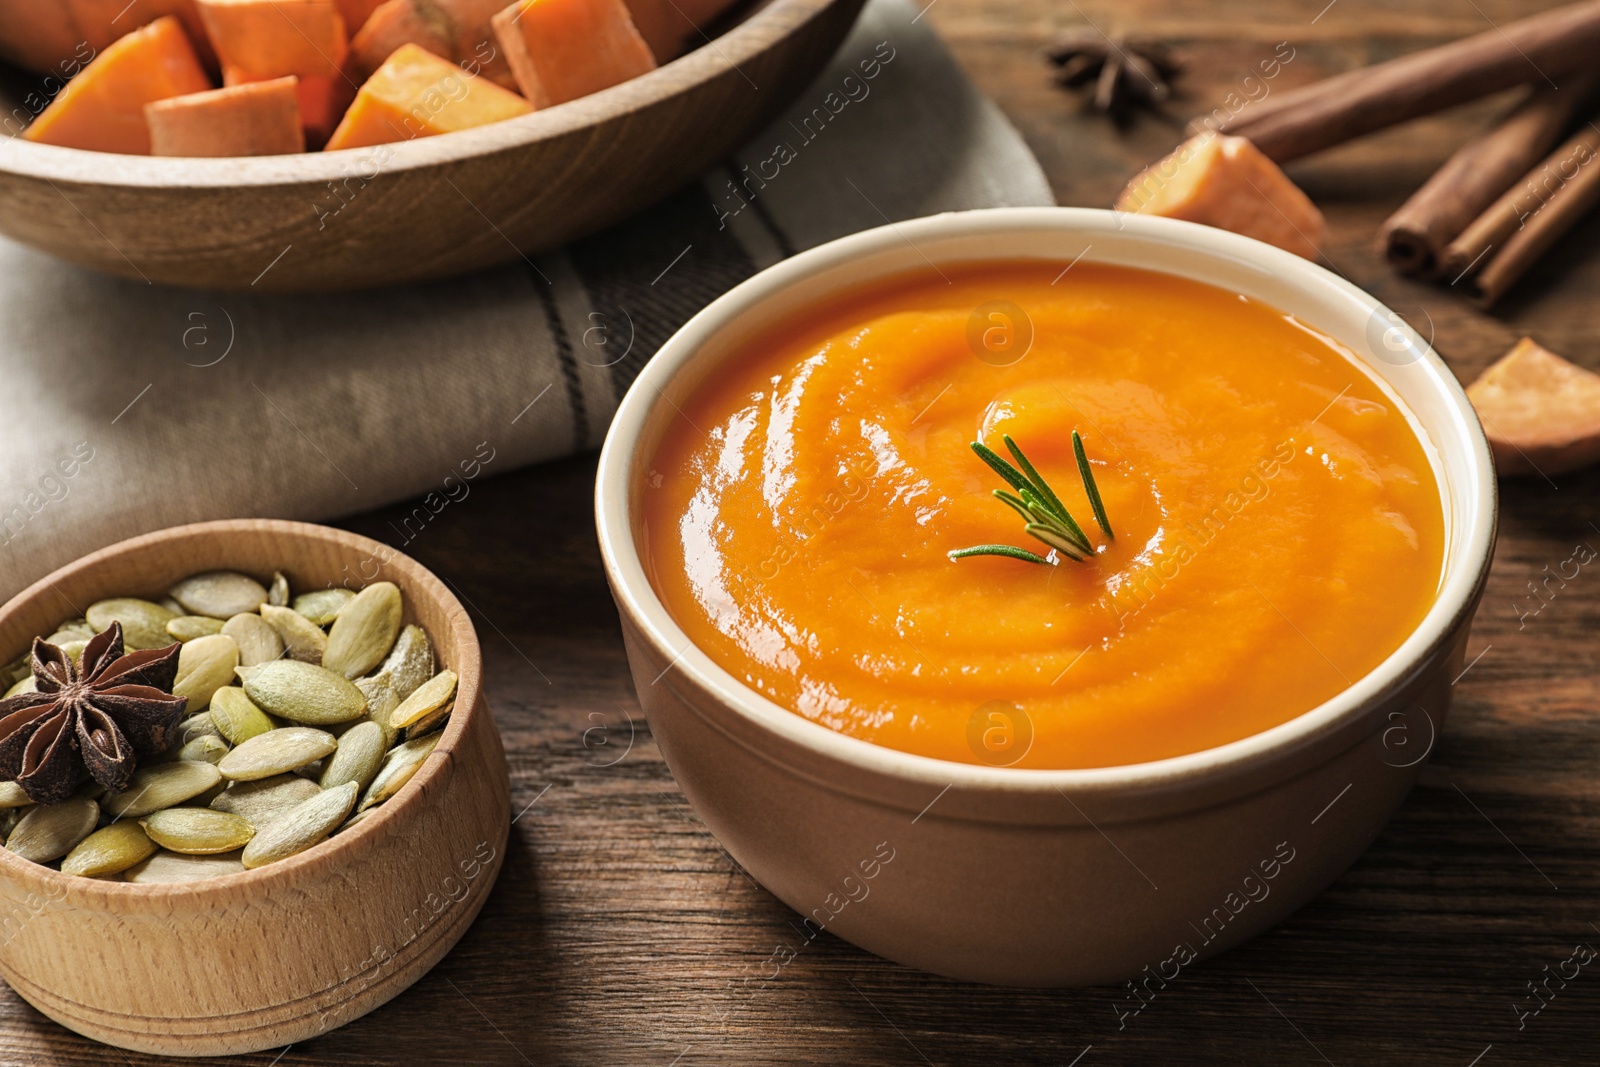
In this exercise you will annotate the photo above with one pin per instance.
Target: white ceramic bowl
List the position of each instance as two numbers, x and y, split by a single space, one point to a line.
1035 877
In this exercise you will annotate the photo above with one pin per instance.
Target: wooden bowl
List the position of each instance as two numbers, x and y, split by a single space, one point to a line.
278 954
420 209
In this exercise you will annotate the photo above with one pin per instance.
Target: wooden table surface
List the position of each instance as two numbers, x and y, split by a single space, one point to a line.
619 928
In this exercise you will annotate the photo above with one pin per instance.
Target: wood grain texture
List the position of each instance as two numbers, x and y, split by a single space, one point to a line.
427 208
298 947
621 934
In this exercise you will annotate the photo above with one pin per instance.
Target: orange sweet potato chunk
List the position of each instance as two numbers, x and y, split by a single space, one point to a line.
1226 182
1540 412
258 119
275 38
417 94
560 50
454 29
102 109
322 98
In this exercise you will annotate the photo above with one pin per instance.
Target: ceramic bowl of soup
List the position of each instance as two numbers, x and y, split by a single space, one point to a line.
1081 758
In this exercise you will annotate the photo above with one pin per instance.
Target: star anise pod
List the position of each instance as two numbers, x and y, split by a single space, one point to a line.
94 720
1127 73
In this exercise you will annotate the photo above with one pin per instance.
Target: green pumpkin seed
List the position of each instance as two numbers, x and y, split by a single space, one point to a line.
177 867
399 764
277 751
302 638
144 625
172 605
428 698
50 831
278 591
109 850
207 749
78 630
321 606
24 686
219 594
304 693
12 795
197 831
163 786
258 642
236 718
205 665
189 627
301 826
429 722
381 702
264 799
365 630
359 754
199 724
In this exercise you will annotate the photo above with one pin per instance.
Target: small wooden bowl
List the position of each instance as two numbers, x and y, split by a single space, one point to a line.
419 209
282 953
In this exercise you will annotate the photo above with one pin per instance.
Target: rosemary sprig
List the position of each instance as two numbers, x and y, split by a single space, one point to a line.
1045 517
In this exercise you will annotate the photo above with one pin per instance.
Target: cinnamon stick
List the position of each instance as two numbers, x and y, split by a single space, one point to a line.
1559 210
1333 111
1487 235
1480 171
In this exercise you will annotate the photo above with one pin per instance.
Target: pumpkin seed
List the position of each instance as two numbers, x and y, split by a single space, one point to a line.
399 764
144 625
357 817
12 795
177 867
197 831
304 692
258 642
197 725
109 850
163 786
219 594
411 662
278 591
322 605
24 686
302 826
50 831
381 702
365 630
236 717
172 605
430 722
357 758
205 665
275 752
77 630
264 799
207 749
428 698
303 639
189 627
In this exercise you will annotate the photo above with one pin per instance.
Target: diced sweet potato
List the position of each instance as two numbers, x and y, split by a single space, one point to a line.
60 36
257 119
417 94
275 38
102 109
1226 182
323 100
454 29
1540 412
560 50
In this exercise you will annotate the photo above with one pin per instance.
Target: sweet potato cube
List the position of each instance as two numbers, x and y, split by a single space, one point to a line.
258 119
417 94
323 100
102 109
453 29
1226 182
274 38
1540 412
560 50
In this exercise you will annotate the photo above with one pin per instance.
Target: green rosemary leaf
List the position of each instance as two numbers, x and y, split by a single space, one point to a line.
1089 487
998 550
1055 540
1014 503
1062 521
1040 486
1005 470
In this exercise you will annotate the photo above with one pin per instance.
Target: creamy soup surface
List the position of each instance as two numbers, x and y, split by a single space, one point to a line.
1277 526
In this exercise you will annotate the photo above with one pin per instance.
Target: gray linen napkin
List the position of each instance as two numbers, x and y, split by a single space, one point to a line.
127 408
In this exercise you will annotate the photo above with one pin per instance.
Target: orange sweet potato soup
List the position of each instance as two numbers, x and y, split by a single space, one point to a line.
1277 528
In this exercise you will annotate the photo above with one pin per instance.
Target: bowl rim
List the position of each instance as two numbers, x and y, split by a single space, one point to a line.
1470 549
714 57
469 694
